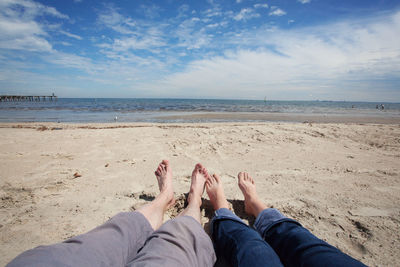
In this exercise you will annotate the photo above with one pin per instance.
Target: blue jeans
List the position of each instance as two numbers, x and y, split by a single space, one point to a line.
275 241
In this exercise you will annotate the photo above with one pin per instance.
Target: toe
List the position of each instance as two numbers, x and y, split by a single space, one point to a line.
205 172
216 177
212 179
251 180
165 162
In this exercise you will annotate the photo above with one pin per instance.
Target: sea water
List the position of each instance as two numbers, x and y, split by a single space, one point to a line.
153 110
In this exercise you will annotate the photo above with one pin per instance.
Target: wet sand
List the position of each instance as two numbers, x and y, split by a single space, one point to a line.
340 180
381 118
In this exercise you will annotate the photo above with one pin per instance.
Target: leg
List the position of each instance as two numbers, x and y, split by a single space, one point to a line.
114 243
154 211
181 241
234 241
295 245
199 176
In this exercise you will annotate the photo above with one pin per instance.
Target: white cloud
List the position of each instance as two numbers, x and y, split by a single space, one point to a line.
65 43
52 11
276 11
304 1
30 9
191 36
214 25
71 35
150 11
246 14
261 6
70 61
18 28
213 12
325 61
183 10
111 18
147 42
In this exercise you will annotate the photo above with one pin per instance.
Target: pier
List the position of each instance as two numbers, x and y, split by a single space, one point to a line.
19 98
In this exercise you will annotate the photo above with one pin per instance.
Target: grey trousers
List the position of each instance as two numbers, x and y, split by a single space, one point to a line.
128 239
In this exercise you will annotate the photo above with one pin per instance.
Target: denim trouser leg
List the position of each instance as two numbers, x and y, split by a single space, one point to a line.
295 245
238 244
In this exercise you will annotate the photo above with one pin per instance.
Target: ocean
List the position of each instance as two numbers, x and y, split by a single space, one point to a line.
99 110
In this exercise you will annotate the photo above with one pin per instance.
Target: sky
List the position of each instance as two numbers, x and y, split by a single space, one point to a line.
225 49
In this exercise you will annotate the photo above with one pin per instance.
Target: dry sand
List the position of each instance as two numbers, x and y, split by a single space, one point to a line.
341 181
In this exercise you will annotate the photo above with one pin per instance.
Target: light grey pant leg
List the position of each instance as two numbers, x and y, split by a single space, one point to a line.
178 242
115 243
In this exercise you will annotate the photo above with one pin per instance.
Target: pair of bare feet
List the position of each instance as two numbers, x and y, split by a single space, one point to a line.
154 212
252 203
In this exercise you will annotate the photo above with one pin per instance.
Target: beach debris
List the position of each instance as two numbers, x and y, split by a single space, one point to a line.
42 128
106 165
45 128
76 175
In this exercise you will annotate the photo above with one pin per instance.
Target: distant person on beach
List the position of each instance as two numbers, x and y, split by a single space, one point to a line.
140 238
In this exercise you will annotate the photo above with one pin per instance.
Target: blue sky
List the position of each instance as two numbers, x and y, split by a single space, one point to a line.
236 49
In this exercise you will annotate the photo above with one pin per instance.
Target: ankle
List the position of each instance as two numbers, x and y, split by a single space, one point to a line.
258 207
163 200
194 199
251 199
221 204
254 205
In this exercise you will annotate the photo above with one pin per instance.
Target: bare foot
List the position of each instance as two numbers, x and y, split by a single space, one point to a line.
164 178
216 193
154 211
252 203
199 177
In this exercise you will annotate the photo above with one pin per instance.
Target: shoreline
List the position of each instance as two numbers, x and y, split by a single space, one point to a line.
216 117
281 117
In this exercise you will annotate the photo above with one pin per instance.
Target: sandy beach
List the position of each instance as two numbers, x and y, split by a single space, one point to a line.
339 180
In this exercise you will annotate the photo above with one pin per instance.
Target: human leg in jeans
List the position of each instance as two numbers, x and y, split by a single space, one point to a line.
294 244
234 241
